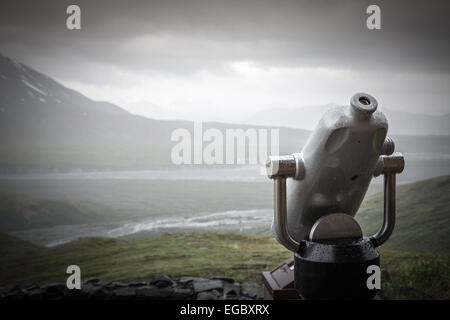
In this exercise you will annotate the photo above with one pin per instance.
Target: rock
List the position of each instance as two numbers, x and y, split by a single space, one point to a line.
182 294
153 292
148 291
189 280
206 285
36 294
54 290
116 285
90 280
8 290
162 281
125 292
99 284
216 293
100 293
250 289
206 296
87 289
15 294
233 297
137 284
161 287
31 287
231 289
224 279
78 293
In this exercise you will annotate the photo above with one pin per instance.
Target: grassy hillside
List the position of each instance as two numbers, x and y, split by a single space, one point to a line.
195 254
423 216
19 212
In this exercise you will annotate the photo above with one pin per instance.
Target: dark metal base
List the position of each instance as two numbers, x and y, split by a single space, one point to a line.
335 270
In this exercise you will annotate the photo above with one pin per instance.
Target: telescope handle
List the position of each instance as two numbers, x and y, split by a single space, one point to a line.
279 168
280 216
389 166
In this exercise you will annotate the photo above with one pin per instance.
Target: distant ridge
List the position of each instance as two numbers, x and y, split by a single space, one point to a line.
399 122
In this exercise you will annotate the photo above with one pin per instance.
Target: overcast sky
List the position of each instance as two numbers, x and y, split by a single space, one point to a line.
225 60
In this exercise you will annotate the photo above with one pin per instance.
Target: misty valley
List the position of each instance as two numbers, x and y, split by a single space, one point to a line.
50 209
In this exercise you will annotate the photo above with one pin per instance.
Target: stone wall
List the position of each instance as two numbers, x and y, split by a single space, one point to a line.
158 288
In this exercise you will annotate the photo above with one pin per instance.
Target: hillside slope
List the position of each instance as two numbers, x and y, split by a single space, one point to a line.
20 212
423 216
12 248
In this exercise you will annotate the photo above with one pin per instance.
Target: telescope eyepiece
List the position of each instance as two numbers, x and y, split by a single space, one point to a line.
363 104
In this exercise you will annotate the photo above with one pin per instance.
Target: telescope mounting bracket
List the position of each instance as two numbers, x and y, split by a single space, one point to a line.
335 225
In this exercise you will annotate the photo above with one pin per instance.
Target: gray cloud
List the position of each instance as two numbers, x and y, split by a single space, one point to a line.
187 36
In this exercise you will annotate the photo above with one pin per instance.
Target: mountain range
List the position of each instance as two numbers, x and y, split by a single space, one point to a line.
45 126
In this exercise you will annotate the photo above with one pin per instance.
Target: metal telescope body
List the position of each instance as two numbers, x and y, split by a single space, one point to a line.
319 190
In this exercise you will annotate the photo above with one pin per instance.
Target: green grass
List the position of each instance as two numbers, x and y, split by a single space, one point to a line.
423 216
194 254
428 273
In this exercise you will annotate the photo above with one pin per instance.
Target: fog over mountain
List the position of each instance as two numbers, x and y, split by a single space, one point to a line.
46 126
399 122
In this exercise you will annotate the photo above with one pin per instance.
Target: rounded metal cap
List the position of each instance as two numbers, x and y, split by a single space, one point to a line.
335 226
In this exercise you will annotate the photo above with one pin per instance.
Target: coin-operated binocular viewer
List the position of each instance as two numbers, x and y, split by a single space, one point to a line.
318 192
